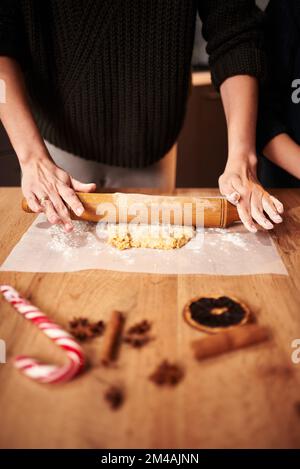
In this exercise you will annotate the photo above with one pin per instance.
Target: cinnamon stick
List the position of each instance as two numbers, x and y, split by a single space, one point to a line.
230 340
111 337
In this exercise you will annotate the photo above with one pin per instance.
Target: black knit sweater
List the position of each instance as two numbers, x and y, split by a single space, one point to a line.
108 79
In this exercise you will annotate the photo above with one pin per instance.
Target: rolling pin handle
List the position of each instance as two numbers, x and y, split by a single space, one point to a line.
25 206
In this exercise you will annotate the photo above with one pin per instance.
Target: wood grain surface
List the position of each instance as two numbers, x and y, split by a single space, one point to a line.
247 398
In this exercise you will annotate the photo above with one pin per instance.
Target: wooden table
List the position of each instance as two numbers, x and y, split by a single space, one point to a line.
248 398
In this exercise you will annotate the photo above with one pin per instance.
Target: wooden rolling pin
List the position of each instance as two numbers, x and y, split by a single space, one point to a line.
215 212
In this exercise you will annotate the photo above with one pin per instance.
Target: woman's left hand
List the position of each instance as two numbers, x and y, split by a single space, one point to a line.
239 184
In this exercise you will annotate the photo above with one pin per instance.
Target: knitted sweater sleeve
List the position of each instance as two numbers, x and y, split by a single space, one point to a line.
233 31
10 29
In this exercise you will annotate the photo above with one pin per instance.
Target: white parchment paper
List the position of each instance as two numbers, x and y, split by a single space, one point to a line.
214 251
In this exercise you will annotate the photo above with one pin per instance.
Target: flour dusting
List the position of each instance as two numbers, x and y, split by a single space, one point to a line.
228 237
212 251
66 243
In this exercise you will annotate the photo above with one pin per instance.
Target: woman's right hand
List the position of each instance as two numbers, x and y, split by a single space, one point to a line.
48 188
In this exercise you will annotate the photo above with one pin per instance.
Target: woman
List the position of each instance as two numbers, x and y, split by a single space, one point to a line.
107 81
279 116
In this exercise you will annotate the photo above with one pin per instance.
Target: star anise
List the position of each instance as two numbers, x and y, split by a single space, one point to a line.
140 327
115 396
83 329
167 373
137 335
136 340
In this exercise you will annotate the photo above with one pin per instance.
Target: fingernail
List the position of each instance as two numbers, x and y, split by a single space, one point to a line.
268 225
79 211
251 228
278 218
281 209
68 226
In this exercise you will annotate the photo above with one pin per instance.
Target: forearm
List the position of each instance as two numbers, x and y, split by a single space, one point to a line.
239 181
284 152
16 115
42 180
239 95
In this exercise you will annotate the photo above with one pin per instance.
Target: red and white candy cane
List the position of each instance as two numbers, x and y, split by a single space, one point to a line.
31 367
